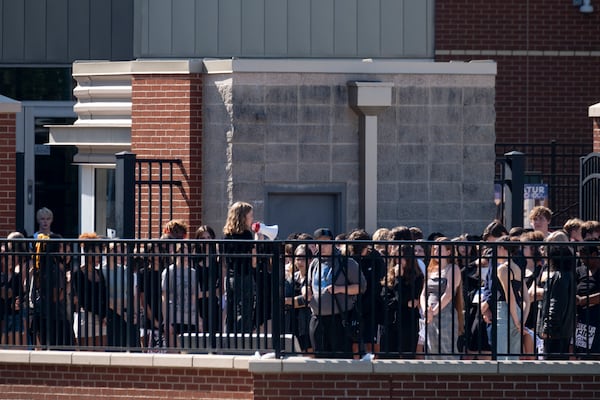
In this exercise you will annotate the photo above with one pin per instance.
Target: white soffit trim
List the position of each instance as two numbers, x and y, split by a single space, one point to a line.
71 135
8 105
137 67
594 110
337 66
288 65
95 145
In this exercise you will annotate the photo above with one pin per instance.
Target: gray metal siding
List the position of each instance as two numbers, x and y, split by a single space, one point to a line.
61 31
284 28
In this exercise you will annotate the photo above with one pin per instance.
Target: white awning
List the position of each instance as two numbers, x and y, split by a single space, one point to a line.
95 145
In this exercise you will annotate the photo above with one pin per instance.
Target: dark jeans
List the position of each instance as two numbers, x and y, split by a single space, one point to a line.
328 336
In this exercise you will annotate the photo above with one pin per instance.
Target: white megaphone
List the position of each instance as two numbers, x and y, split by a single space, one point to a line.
269 231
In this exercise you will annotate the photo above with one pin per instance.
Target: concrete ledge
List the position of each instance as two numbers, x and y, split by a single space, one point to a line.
294 365
548 367
437 366
50 357
348 66
173 360
90 358
447 367
125 359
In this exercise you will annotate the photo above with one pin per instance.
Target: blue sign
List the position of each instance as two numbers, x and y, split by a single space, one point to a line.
535 191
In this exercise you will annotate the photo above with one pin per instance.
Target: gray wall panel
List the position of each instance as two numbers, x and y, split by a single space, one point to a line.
276 34
415 38
35 30
183 26
207 22
230 27
100 27
369 27
253 27
392 37
1 28
322 37
57 36
62 31
345 17
122 31
159 33
299 28
295 28
79 30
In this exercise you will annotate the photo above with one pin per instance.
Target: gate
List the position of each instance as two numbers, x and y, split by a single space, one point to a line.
144 194
589 187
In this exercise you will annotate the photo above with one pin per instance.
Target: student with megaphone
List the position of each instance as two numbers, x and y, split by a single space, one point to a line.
240 264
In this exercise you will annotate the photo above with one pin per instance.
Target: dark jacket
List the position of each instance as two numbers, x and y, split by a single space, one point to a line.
557 313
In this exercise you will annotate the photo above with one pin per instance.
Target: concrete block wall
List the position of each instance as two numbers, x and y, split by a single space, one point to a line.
436 144
8 171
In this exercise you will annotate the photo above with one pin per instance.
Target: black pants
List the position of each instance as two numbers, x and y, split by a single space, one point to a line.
118 331
556 349
328 336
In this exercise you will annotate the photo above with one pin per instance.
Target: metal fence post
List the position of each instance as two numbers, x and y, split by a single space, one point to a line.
125 195
278 300
514 182
553 175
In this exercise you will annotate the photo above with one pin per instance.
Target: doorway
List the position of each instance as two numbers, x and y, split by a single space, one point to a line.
47 176
305 207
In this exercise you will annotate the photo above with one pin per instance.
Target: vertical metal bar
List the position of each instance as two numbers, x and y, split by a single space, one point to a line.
553 175
125 194
515 181
278 296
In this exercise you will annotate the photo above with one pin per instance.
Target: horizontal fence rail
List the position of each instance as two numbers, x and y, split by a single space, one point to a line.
350 299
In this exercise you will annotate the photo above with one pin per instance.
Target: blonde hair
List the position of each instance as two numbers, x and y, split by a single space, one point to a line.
43 212
236 218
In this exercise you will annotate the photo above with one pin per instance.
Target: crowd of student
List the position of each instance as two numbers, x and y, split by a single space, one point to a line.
527 293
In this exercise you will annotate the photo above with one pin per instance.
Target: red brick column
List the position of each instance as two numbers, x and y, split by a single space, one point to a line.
166 123
8 173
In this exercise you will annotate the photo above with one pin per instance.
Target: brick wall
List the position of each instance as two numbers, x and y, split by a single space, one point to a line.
45 382
7 173
424 386
49 381
166 123
541 94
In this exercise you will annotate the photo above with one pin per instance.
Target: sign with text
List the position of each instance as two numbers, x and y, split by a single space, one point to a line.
534 194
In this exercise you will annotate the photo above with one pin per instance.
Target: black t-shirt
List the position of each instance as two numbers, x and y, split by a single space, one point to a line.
149 283
91 291
241 265
587 284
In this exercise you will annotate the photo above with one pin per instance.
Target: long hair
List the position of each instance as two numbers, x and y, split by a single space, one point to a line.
411 271
236 218
434 261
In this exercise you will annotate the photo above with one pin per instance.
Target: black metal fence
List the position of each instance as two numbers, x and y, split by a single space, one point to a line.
557 165
450 299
